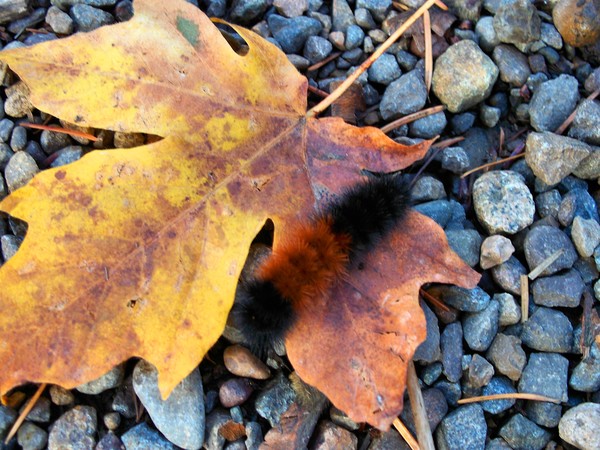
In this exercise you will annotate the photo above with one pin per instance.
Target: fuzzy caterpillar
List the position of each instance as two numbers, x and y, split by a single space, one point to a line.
315 255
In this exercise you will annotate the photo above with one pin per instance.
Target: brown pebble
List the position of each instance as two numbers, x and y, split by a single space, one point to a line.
578 21
234 392
241 362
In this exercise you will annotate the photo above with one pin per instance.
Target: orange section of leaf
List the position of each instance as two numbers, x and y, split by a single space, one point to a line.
137 252
364 332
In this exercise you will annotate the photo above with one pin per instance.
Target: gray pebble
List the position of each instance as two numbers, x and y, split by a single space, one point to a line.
589 168
577 202
112 420
507 355
432 372
543 241
215 8
546 374
36 152
67 155
465 427
484 29
291 34
547 203
317 49
552 157
436 408
59 21
498 385
503 202
64 4
142 437
452 351
480 328
6 127
427 188
405 95
272 402
75 429
52 141
552 103
364 19
40 411
254 436
384 70
546 414
579 426
36 16
429 350
463 76
109 380
32 437
340 418
586 235
378 8
587 269
354 37
510 312
291 8
110 442
18 139
61 396
180 418
586 124
521 432
88 18
498 444
586 374
468 300
20 170
548 330
479 372
452 391
517 22
489 115
342 15
512 64
438 210
495 250
558 290
428 127
246 11
17 102
7 418
466 244
214 422
328 435
407 61
9 243
299 62
455 160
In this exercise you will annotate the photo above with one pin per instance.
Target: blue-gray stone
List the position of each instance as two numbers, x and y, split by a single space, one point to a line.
543 241
546 374
451 391
498 385
384 70
480 328
428 127
429 350
438 210
586 375
431 373
548 330
552 103
577 202
466 244
18 140
88 18
465 427
508 275
272 402
246 11
6 127
405 95
522 433
452 351
468 300
354 37
142 437
378 8
559 290
291 34
317 48
545 414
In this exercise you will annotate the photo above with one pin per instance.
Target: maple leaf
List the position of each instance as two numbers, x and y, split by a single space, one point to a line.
137 252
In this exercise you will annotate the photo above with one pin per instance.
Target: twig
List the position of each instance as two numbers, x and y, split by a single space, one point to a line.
492 164
418 409
320 64
62 130
24 413
412 117
515 395
545 264
322 106
428 50
317 91
405 433
433 300
524 298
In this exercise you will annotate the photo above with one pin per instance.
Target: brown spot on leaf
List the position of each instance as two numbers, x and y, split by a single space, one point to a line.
60 175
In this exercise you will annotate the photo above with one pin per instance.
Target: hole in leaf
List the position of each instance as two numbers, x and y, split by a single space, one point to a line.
237 42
